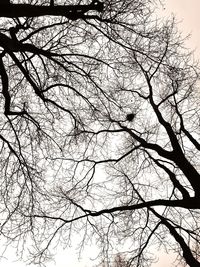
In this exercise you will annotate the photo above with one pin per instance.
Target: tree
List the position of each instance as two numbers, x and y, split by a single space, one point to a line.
118 261
72 156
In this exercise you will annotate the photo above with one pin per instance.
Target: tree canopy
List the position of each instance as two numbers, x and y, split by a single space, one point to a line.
99 130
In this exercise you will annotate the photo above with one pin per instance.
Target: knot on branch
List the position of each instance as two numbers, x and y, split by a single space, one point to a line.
97 5
77 12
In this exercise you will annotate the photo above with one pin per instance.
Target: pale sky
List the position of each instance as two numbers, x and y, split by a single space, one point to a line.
187 12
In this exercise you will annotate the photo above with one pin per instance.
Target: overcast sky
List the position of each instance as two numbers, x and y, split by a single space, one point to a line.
187 12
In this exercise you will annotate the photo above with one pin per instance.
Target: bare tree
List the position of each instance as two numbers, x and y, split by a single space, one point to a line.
117 261
99 130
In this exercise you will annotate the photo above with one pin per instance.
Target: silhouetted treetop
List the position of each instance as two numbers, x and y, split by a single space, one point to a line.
99 131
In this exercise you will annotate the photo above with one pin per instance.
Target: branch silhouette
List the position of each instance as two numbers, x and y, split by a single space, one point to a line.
72 12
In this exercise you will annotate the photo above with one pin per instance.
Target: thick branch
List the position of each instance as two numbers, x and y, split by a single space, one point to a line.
70 11
187 254
14 45
178 155
5 92
192 203
172 177
161 151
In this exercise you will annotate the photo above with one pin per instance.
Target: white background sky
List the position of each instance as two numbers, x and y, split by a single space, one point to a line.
187 12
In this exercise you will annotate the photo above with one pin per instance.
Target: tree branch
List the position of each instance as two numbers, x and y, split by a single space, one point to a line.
72 12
